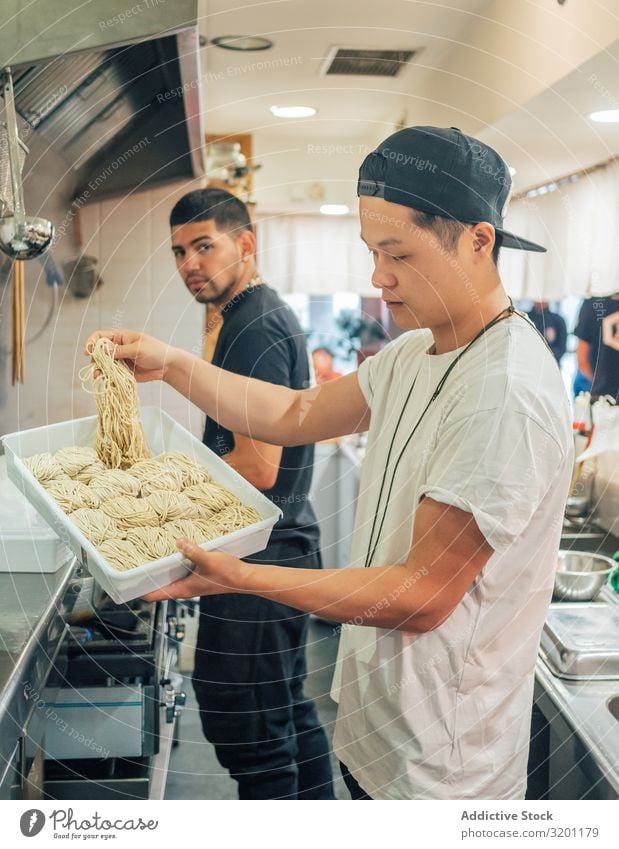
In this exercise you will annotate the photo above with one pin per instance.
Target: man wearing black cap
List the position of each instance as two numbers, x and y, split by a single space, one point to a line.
463 486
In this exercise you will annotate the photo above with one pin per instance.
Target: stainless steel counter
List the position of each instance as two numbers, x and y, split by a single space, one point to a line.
584 757
32 625
34 609
582 716
27 601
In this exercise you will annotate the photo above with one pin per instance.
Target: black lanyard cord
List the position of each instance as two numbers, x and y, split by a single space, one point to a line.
372 546
391 445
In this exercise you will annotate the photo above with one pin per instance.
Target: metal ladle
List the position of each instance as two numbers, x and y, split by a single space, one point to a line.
21 235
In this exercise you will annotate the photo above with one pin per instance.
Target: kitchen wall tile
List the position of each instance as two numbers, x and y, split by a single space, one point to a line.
130 237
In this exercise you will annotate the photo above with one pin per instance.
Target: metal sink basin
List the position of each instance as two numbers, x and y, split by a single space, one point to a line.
613 706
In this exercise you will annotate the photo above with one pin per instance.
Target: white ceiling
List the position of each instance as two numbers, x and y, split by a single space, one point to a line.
479 60
552 135
240 87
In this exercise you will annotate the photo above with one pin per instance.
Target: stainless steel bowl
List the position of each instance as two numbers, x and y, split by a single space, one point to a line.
581 575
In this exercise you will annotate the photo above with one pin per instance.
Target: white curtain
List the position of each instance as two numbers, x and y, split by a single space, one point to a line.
313 254
579 224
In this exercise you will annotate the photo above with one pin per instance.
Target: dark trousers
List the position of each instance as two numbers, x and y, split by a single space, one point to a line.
538 772
354 788
248 679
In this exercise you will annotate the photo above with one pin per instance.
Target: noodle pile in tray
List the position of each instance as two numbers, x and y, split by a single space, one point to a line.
132 506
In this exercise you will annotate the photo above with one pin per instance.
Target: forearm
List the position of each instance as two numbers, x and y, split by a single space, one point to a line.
256 461
418 596
271 413
241 404
251 471
268 412
384 597
582 357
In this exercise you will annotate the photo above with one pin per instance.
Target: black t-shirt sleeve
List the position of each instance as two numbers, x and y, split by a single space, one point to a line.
260 352
561 342
587 327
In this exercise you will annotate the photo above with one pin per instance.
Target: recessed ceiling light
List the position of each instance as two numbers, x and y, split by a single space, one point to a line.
334 209
242 42
512 171
606 116
293 111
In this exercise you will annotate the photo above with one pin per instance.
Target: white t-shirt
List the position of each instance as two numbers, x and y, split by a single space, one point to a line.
446 714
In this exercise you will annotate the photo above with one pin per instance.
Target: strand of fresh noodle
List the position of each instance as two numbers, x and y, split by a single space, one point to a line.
72 460
114 482
44 467
210 498
193 473
144 544
120 553
197 530
120 440
152 543
96 525
155 476
130 512
71 495
170 506
232 518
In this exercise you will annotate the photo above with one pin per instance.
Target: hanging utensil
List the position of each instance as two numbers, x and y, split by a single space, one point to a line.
21 236
6 187
19 322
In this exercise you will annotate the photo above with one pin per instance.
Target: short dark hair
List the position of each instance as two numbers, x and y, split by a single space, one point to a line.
448 230
228 212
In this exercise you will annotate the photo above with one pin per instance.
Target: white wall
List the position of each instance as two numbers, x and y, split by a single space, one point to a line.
314 254
48 186
141 289
578 224
289 171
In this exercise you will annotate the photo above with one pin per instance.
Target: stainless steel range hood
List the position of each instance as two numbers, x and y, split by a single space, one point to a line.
114 89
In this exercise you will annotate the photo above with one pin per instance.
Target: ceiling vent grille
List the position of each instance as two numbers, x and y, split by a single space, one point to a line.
352 61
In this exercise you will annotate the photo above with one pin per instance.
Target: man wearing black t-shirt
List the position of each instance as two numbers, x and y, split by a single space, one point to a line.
552 327
598 344
250 658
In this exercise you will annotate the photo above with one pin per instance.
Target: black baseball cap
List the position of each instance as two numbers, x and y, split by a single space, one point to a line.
443 172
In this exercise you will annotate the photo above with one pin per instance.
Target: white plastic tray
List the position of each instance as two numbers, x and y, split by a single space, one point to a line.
27 544
162 434
32 551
